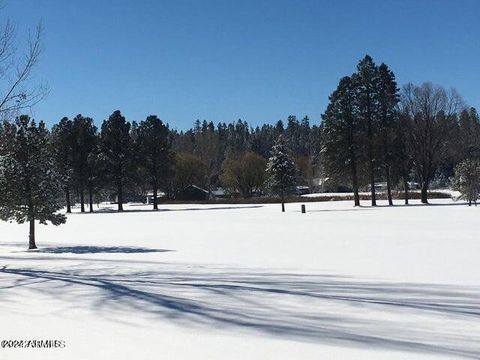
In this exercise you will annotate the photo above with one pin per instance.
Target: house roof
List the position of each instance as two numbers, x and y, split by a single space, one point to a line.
198 188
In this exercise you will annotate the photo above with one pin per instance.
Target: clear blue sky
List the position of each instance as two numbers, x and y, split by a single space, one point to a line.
224 60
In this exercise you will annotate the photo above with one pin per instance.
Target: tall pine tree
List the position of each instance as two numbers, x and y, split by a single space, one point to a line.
342 137
116 152
152 140
366 79
84 146
30 185
281 171
63 140
388 98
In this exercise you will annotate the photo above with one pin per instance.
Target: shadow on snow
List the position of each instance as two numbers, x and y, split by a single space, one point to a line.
111 210
98 250
315 308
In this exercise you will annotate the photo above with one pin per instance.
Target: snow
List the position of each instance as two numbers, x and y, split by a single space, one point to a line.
454 194
247 282
336 194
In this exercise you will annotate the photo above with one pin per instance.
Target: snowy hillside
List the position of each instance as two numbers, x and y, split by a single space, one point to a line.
247 282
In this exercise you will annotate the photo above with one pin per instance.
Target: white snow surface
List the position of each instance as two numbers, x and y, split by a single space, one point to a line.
247 282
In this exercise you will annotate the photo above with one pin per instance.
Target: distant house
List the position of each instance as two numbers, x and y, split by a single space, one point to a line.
379 186
149 197
193 192
219 193
319 184
302 190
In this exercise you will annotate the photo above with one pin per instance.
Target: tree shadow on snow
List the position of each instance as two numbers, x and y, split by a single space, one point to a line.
115 211
314 308
460 203
81 249
98 250
358 208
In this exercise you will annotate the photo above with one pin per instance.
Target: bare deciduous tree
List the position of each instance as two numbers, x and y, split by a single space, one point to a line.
428 109
208 148
17 89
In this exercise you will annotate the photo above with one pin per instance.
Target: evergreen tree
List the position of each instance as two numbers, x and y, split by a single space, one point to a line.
30 185
63 147
262 140
468 139
154 150
94 171
342 146
281 171
367 87
467 180
305 148
388 99
116 152
84 147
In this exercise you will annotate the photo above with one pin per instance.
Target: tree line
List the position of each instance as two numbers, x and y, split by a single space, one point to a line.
371 132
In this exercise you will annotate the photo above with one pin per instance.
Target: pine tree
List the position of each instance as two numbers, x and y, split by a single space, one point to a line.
388 99
116 152
281 171
30 184
469 135
342 146
84 133
467 180
94 171
152 140
366 79
63 140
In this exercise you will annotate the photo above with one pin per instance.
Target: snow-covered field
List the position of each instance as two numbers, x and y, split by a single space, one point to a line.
247 282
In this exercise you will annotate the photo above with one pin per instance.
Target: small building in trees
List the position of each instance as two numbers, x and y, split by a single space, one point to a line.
193 192
302 190
149 197
219 193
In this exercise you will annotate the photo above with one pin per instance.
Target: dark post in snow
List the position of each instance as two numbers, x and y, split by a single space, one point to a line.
303 209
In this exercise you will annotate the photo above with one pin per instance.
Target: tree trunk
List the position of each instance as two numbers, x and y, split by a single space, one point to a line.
405 184
209 183
424 193
67 198
356 196
120 196
372 184
31 217
82 201
389 186
469 202
370 160
90 196
283 201
155 191
31 237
